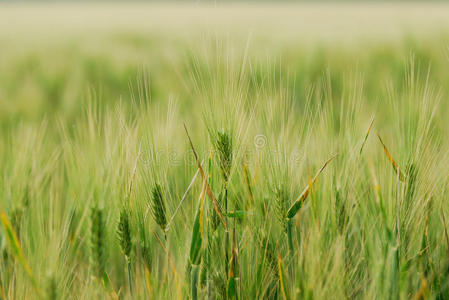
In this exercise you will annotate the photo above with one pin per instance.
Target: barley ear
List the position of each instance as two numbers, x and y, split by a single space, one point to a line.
223 145
97 238
158 207
124 234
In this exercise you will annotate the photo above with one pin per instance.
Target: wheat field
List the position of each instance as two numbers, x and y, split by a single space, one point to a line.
224 151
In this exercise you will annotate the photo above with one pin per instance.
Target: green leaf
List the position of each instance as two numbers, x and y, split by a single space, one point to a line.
197 233
293 210
231 290
194 282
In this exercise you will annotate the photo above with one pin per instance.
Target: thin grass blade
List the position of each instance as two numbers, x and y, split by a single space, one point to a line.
393 162
366 136
282 279
16 249
296 206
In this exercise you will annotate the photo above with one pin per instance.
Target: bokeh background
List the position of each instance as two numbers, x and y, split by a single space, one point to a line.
53 53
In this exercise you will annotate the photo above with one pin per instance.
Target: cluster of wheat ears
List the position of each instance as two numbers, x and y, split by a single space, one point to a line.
204 236
92 210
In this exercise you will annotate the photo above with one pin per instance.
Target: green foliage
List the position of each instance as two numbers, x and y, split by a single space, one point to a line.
82 129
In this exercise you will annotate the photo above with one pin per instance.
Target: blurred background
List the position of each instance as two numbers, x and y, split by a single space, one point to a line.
53 54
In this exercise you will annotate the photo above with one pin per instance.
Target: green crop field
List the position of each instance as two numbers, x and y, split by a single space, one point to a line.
224 151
